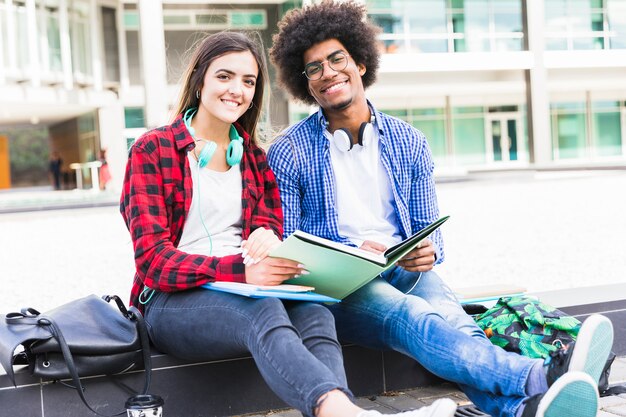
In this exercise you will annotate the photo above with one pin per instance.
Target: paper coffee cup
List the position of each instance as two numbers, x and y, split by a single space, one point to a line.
147 405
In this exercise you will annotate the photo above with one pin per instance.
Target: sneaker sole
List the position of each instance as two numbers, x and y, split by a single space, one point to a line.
573 395
593 345
444 407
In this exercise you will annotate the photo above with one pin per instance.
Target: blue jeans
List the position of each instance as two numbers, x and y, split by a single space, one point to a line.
294 344
429 325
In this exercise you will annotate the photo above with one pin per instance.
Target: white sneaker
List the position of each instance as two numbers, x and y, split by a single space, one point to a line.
575 394
593 346
443 407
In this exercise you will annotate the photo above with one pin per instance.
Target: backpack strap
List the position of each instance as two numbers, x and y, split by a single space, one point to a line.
614 390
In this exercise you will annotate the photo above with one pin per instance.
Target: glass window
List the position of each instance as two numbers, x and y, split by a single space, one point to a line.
134 117
440 26
131 20
477 25
456 4
110 41
577 24
399 113
430 121
23 52
555 15
212 19
469 140
579 13
426 112
389 23
296 116
429 45
288 5
244 19
570 129
4 35
87 123
607 129
379 4
430 17
435 132
135 75
507 16
80 38
584 43
54 42
176 19
616 22
458 26
467 110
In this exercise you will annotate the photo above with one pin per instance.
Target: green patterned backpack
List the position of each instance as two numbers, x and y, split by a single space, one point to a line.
524 325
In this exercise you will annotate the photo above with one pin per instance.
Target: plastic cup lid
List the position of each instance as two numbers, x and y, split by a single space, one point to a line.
139 402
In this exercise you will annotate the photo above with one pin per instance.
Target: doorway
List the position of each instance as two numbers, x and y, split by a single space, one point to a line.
503 131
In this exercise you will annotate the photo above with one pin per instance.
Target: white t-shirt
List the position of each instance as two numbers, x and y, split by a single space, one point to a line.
363 193
216 210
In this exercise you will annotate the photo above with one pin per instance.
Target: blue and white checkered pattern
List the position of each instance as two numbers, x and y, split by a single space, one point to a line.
300 159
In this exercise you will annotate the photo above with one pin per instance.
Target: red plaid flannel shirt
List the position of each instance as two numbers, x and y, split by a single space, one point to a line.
155 202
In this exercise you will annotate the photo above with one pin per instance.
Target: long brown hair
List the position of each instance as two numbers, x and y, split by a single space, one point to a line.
212 47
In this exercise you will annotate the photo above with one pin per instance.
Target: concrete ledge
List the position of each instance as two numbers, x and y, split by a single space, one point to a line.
216 388
234 386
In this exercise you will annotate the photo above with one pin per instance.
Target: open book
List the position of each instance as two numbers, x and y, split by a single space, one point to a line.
337 270
284 291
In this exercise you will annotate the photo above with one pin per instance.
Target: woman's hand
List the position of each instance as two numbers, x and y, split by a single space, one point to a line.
273 271
258 246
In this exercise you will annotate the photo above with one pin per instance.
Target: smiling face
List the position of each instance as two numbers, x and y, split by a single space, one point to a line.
228 87
335 90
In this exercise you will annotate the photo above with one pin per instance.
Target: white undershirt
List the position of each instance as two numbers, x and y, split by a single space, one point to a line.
363 194
216 200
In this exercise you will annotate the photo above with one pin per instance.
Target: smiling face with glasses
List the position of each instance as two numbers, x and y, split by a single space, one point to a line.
334 78
337 61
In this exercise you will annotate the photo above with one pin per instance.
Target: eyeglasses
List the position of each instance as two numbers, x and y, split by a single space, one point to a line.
336 61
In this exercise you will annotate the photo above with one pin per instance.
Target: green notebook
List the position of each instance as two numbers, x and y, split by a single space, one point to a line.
337 270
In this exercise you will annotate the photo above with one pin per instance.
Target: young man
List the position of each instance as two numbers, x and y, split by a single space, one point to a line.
357 176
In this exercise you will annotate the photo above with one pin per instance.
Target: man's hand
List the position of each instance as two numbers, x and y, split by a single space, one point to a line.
273 271
420 259
258 246
371 246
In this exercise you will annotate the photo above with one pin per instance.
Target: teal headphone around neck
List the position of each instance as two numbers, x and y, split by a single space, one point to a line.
234 153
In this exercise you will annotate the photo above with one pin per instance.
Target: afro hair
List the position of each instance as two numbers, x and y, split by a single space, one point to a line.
300 29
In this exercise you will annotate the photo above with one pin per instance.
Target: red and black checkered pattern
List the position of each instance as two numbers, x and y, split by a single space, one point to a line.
155 202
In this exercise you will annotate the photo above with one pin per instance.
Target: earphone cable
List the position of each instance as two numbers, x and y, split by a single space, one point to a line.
201 216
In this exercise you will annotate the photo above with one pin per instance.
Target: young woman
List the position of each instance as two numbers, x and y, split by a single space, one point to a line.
195 193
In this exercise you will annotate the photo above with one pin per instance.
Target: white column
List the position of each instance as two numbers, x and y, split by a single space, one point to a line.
66 46
538 100
111 132
11 40
121 41
2 46
34 72
96 50
44 52
152 45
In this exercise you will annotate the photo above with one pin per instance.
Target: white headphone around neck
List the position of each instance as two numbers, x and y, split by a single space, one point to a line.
343 138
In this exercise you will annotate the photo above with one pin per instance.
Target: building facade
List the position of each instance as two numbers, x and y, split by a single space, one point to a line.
492 83
498 83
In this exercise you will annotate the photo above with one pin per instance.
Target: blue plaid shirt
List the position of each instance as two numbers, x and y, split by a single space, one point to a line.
300 159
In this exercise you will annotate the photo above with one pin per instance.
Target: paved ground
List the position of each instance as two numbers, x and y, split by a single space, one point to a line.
548 230
416 398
